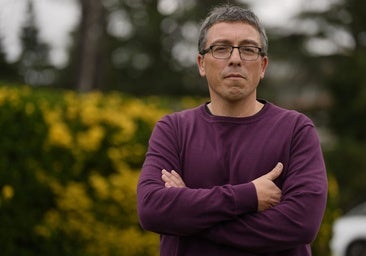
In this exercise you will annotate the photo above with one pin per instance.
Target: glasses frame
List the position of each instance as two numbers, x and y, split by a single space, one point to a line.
210 49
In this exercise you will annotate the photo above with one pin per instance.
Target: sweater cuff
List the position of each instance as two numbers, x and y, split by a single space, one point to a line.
245 196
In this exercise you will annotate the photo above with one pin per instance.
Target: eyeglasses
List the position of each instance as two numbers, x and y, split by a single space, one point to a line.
248 53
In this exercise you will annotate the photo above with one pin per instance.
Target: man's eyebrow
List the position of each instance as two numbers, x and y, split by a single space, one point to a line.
249 42
221 41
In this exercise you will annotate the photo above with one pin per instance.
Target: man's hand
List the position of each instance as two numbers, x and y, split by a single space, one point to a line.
268 193
172 179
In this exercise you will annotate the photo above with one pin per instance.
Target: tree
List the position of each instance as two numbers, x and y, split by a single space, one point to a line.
8 72
158 55
90 44
347 84
341 67
33 64
142 47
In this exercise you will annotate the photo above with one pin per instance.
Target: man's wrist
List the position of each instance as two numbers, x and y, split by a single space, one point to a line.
245 197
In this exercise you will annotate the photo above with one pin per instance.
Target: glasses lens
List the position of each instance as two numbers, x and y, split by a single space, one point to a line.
249 53
221 51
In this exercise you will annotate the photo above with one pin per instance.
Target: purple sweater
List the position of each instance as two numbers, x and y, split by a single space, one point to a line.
218 157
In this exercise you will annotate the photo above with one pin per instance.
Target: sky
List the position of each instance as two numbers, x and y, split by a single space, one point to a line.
57 18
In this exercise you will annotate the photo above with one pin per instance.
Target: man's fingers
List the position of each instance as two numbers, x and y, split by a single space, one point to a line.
268 193
176 176
177 179
166 176
172 179
272 175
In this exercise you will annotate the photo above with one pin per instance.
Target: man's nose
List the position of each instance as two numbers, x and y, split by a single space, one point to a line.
235 57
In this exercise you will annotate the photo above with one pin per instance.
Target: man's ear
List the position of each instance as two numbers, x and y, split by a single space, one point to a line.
264 66
201 65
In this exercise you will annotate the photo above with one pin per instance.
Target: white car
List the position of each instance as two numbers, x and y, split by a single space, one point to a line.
349 233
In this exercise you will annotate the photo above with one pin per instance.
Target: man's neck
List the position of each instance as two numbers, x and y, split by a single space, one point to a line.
235 109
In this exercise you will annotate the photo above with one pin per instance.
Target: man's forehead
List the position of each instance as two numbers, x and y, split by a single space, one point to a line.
230 30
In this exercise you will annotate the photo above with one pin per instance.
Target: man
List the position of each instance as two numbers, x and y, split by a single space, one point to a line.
237 175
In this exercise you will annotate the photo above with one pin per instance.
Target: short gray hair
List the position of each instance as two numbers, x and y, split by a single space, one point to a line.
229 13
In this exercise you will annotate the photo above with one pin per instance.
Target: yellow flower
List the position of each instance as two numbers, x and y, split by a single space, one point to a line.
89 114
91 139
100 185
59 135
333 188
29 108
74 198
7 192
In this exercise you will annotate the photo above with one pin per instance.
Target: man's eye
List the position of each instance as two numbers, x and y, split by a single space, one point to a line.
221 49
248 50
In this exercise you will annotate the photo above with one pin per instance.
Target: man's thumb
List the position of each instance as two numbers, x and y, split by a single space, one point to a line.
272 175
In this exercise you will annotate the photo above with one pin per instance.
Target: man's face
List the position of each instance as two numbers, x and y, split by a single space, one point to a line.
232 79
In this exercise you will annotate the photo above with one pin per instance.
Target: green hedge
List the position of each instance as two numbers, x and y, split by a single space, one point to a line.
69 165
68 171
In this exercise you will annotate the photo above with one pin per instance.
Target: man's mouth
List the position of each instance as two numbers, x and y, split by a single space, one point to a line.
234 75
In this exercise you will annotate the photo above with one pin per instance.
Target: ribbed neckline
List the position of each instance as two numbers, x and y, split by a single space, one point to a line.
240 120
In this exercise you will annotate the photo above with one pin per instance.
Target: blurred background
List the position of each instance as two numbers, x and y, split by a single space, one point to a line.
83 82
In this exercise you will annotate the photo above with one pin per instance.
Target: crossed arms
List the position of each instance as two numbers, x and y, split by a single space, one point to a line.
255 216
268 194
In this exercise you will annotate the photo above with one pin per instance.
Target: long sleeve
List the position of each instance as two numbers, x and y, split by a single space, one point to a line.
297 218
218 157
184 211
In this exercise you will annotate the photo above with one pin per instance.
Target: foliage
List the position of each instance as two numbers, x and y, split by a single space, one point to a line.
320 246
68 172
7 71
346 84
150 47
33 64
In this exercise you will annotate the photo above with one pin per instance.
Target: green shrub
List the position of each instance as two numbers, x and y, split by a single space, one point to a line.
68 171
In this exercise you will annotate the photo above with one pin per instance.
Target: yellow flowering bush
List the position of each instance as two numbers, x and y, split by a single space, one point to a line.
69 166
321 245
